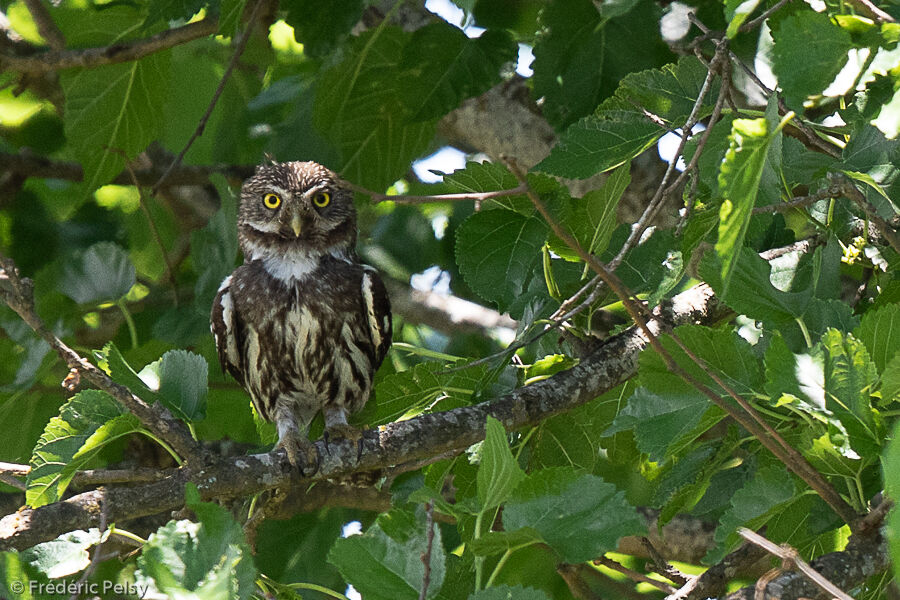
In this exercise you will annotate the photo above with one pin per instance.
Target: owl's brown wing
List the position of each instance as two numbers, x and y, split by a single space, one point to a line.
227 328
378 314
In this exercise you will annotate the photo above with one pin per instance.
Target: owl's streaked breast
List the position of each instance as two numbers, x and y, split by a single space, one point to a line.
307 338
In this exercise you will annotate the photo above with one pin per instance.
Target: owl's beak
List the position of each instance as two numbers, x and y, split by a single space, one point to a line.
296 225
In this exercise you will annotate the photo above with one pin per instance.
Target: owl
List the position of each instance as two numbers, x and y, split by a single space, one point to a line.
302 325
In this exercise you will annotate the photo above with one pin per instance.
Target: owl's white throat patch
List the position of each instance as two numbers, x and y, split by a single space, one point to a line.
293 265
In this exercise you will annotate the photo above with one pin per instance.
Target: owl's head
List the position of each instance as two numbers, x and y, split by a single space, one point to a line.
295 206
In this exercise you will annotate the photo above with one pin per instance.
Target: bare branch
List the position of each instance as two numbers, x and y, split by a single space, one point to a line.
437 198
54 60
633 575
791 559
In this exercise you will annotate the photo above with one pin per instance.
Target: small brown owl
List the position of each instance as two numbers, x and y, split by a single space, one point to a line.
302 324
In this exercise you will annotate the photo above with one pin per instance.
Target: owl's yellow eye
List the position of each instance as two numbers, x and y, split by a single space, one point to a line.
322 199
272 201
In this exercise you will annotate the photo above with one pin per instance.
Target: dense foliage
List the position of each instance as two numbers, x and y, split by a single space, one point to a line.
770 406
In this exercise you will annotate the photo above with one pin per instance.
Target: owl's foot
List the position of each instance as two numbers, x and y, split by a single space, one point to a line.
302 454
347 432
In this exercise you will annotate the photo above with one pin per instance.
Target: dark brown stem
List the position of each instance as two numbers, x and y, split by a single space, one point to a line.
843 186
426 556
748 417
19 297
633 575
409 199
750 25
54 60
45 24
239 49
798 202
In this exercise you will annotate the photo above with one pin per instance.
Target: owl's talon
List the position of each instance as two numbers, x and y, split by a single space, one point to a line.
347 432
302 454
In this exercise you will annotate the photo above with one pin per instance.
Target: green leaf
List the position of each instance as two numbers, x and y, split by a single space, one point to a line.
495 542
751 292
13 577
579 516
388 566
66 555
736 12
54 462
497 252
593 217
890 381
183 383
101 273
442 67
499 473
509 592
739 178
850 378
619 130
113 112
751 506
423 388
214 249
879 330
230 12
205 560
798 379
809 52
661 421
122 373
173 10
321 26
355 109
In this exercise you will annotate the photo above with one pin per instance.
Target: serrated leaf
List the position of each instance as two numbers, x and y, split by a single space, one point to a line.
421 388
54 462
101 273
389 567
879 330
113 112
660 421
66 555
442 67
183 383
321 26
123 373
497 252
579 516
751 292
619 130
736 12
214 249
808 53
355 109
498 473
593 217
509 592
173 10
739 177
205 560
751 506
850 377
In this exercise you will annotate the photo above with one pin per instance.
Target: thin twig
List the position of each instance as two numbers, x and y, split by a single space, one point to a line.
157 418
633 575
748 417
662 565
170 270
868 7
95 476
426 556
843 185
792 558
239 49
661 191
798 202
54 60
95 558
750 25
45 24
412 199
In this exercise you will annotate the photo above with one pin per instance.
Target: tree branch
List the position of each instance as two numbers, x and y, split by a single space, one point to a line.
17 293
53 60
423 438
